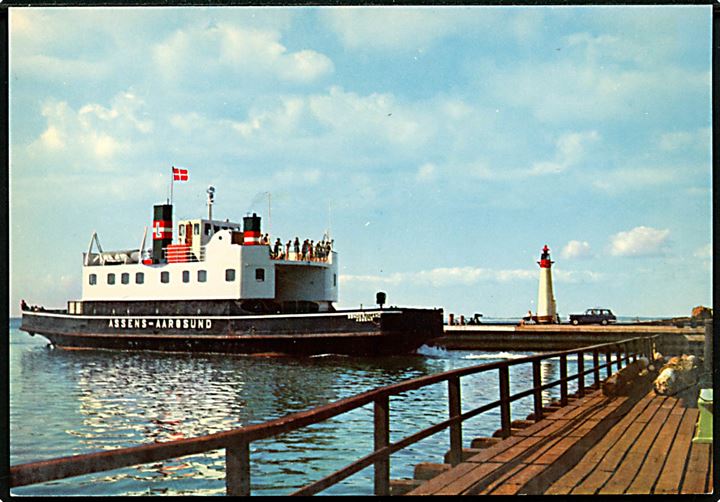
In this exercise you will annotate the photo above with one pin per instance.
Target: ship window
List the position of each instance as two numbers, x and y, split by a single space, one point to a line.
230 274
260 274
125 278
181 229
216 228
165 277
334 279
202 275
186 276
92 279
139 278
196 228
111 278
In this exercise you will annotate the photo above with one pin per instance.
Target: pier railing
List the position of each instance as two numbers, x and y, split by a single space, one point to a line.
236 442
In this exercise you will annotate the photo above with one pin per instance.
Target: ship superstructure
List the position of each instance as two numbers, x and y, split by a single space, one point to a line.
211 261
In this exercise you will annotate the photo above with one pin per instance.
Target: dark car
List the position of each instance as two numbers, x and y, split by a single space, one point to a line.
593 316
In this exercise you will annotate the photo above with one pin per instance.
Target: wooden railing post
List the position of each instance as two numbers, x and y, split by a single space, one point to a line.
596 368
237 469
537 391
505 418
455 410
563 381
382 439
608 361
581 374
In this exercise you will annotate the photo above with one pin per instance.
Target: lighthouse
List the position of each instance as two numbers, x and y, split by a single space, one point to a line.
546 309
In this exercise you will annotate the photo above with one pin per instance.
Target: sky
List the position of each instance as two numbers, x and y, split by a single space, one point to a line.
441 147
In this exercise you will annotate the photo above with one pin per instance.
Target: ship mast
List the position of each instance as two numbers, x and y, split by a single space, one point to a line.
210 200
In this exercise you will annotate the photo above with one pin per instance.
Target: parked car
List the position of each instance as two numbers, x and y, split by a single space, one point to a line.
593 316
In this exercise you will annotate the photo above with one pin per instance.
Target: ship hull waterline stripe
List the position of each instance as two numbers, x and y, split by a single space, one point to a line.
362 334
203 316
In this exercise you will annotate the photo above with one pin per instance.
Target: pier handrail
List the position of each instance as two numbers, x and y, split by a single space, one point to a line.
236 441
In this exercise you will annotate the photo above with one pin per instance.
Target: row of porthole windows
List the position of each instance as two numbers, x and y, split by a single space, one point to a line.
165 277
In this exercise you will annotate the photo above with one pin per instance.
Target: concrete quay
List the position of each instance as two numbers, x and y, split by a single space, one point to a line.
549 337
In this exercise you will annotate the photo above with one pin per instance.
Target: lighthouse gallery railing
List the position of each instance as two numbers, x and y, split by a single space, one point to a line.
236 442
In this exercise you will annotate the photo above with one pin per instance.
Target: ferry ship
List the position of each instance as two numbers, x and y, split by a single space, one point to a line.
221 287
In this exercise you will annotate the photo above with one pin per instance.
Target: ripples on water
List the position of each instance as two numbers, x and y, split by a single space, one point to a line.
70 402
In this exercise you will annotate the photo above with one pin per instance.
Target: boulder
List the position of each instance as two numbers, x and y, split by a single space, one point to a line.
676 375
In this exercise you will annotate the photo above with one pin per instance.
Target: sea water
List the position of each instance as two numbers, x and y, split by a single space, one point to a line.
70 402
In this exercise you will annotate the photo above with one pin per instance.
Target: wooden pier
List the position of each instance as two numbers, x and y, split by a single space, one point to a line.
639 444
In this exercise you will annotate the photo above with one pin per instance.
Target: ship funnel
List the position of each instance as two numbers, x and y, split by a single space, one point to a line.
251 230
162 230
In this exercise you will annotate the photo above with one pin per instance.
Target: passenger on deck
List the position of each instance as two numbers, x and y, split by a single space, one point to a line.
277 249
304 249
297 248
23 305
287 249
311 251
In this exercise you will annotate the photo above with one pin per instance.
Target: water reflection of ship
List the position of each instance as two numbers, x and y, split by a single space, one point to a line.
128 399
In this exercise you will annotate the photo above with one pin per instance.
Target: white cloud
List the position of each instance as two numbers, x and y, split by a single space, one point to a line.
635 178
229 51
445 276
93 133
426 172
468 276
705 251
640 241
698 139
373 115
577 276
400 27
576 249
598 79
570 150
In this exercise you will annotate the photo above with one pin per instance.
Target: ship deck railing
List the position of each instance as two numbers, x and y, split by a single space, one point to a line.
236 442
297 257
183 254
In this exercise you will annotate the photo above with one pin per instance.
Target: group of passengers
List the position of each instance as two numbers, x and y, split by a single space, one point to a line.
34 308
309 250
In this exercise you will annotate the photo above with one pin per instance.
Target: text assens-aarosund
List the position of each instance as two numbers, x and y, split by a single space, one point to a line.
140 323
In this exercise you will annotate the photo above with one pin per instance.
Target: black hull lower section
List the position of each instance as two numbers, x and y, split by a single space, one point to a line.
377 332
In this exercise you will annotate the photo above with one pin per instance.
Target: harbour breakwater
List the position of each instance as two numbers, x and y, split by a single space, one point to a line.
672 340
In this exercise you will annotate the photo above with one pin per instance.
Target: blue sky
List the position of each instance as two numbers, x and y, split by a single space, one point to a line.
442 146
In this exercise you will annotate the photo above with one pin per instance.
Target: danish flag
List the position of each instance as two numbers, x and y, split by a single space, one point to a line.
180 174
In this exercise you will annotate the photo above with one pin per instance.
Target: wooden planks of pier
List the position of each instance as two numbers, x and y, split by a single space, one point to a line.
599 445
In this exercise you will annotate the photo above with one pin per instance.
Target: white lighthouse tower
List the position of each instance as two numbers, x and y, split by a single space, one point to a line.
546 309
